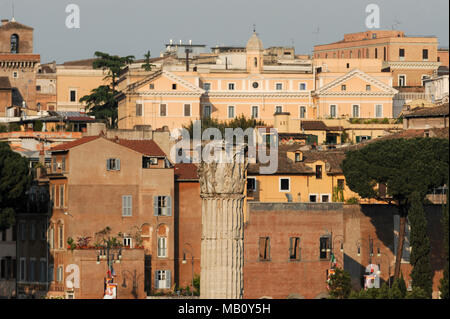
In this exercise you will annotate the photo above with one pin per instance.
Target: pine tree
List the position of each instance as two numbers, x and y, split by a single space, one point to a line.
398 290
420 243
444 281
340 284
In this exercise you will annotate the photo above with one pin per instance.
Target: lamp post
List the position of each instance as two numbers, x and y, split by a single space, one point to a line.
134 277
192 264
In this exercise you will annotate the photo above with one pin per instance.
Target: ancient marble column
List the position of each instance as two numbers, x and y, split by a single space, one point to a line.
222 248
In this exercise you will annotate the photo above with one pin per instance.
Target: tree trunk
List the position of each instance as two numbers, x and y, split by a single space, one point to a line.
401 241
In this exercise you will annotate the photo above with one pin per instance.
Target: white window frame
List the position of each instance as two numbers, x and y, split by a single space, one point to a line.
254 178
300 112
279 184
127 205
162 249
276 86
60 274
359 111
251 111
161 274
15 75
167 110
142 108
336 111
128 241
231 107
330 200
314 194
300 88
402 75
231 86
375 110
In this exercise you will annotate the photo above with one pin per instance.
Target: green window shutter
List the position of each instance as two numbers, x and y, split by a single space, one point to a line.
118 164
168 279
130 205
107 165
169 206
358 139
156 279
155 205
124 205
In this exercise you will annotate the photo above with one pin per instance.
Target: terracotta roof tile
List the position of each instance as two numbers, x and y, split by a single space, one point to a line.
20 57
4 83
69 145
428 111
146 147
186 171
314 126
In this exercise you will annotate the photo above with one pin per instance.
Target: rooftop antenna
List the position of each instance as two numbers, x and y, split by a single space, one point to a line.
13 19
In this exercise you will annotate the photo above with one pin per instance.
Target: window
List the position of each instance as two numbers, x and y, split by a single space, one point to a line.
374 35
51 237
251 184
32 231
378 110
384 53
61 236
138 109
298 157
348 65
207 111
302 86
187 110
162 280
368 87
333 111
32 269
61 196
162 247
151 86
264 248
206 86
60 274
355 111
340 183
50 273
15 74
401 54
325 247
127 205
425 54
113 164
424 77
278 109
23 269
279 86
343 87
38 87
325 198
376 53
231 112
163 110
255 85
162 206
294 248
302 112
148 161
402 80
23 231
43 230
284 185
127 241
254 112
255 60
174 86
14 43
73 95
231 86
318 171
63 164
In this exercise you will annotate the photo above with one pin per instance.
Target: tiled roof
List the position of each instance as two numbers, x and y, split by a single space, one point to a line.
69 145
428 111
145 147
14 25
186 171
4 83
314 126
19 57
85 62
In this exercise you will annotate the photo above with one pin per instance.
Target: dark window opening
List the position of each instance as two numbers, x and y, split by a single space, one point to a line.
14 43
294 248
174 86
264 248
284 184
325 247
319 171
149 161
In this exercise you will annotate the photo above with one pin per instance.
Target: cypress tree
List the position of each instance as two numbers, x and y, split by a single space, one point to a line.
421 273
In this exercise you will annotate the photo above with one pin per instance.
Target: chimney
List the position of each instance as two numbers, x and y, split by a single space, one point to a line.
5 21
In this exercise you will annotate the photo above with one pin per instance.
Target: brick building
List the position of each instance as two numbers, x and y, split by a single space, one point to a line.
289 245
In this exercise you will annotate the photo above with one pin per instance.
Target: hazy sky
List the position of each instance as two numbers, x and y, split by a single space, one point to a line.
131 27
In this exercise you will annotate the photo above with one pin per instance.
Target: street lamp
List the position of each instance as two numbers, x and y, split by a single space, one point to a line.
135 279
192 264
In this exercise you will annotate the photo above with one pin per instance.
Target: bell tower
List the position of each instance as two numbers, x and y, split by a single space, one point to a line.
255 53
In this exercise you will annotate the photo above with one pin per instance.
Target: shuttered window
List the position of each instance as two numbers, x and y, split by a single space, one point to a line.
264 248
113 164
162 206
162 247
294 248
127 205
162 279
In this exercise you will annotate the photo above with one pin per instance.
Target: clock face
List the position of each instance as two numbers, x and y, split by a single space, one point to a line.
255 85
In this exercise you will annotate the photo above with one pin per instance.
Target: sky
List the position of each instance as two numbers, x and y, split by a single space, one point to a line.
133 27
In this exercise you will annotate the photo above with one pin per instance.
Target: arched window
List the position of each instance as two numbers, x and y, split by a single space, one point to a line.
162 235
14 43
256 62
